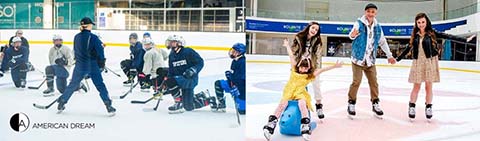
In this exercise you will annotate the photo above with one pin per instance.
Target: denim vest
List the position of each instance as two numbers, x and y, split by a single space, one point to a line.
360 43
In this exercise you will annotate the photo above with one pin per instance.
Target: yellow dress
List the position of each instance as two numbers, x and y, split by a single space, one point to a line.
296 88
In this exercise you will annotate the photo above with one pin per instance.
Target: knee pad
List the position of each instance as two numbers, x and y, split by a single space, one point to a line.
49 71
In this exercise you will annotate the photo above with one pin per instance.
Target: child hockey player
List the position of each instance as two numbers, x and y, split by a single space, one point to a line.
425 61
90 60
133 66
184 66
301 74
235 80
153 60
16 58
61 59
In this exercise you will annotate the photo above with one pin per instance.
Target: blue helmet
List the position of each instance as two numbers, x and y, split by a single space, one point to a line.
240 47
146 33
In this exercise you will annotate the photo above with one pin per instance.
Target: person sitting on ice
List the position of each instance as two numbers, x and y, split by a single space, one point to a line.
61 60
301 74
153 60
133 65
235 83
16 58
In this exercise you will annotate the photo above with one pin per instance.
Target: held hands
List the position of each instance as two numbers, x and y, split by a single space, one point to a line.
392 60
354 33
338 64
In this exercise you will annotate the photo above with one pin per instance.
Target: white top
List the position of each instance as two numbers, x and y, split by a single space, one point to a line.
368 57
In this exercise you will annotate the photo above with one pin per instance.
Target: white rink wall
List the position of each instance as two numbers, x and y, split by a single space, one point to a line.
196 40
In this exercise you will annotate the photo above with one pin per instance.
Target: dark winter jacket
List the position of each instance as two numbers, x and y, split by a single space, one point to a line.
428 47
179 62
88 50
14 58
137 52
238 67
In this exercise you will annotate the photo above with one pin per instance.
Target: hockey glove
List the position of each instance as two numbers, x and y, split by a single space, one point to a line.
61 61
190 72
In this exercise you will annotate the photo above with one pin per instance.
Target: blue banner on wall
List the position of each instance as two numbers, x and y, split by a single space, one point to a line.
339 29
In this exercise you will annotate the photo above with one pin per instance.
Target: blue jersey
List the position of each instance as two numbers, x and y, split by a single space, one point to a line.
238 67
14 58
137 52
179 62
87 49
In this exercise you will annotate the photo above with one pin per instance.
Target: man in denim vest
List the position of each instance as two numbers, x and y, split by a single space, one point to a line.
367 35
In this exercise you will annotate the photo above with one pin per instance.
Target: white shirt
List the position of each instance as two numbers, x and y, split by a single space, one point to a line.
368 57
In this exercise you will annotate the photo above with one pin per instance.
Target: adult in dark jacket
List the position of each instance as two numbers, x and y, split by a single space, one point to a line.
89 60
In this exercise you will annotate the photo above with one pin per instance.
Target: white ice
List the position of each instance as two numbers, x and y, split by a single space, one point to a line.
456 101
131 122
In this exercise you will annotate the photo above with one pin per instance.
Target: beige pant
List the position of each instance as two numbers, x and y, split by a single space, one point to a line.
316 89
371 73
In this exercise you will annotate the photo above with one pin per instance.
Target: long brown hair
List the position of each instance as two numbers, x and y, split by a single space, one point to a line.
303 35
428 29
306 62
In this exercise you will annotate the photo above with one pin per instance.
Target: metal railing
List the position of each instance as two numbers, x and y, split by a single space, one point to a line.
66 15
435 16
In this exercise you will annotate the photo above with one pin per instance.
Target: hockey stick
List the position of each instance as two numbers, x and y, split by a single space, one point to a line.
35 88
236 104
126 93
108 69
45 107
155 96
236 111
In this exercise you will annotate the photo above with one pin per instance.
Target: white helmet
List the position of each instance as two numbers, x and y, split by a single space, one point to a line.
16 39
147 41
179 39
57 37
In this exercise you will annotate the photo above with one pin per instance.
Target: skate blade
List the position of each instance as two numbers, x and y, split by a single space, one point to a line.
59 111
48 95
412 120
429 120
219 110
351 117
176 111
111 114
378 116
145 91
267 134
306 137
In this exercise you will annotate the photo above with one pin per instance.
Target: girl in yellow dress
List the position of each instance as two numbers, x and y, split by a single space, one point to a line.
301 75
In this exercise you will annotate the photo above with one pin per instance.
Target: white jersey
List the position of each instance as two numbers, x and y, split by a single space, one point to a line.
153 60
63 51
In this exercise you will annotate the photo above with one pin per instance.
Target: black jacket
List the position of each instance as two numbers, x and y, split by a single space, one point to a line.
428 47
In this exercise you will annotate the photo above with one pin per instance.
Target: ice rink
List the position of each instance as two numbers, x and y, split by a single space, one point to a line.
132 122
456 103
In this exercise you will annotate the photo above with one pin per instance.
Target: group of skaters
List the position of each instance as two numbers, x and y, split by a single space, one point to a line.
174 70
367 35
